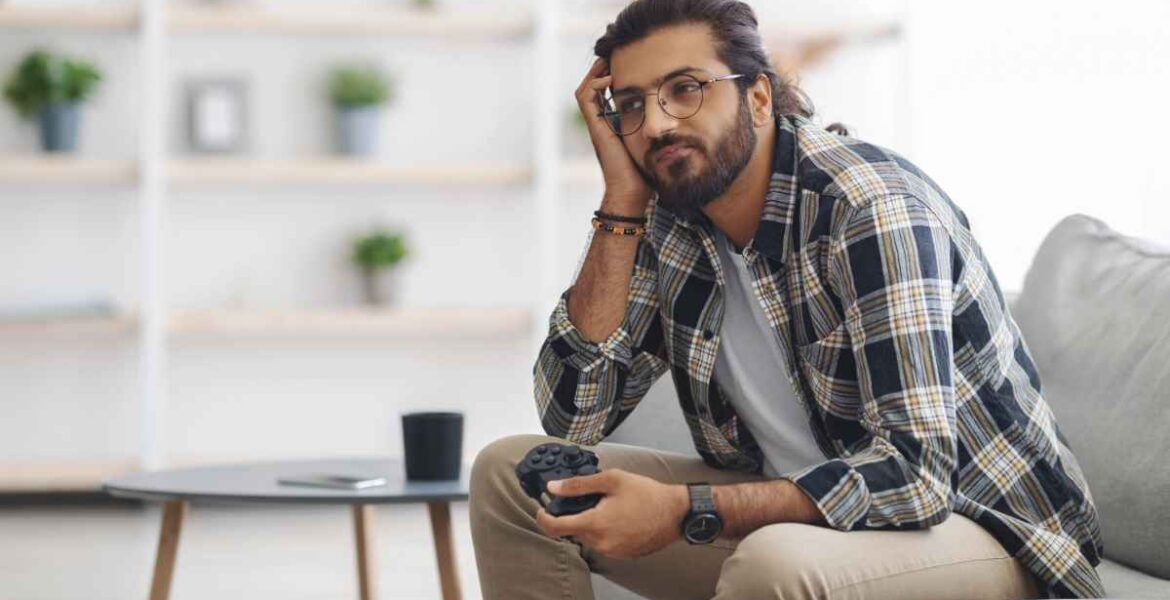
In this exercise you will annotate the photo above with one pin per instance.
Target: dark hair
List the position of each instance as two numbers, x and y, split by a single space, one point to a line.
737 43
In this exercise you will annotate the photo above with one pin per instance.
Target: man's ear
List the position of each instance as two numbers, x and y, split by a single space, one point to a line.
760 96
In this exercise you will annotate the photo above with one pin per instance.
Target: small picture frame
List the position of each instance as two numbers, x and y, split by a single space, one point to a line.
217 116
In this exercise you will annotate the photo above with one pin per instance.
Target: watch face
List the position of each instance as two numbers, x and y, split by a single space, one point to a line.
703 528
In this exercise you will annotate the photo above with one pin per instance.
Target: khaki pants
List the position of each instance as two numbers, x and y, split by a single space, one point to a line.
516 560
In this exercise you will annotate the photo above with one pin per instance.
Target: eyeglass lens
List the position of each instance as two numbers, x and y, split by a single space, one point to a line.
680 97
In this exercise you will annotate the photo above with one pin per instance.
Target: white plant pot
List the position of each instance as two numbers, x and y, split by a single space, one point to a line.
382 287
359 130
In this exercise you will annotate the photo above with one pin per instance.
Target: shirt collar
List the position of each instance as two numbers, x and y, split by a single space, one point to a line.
773 235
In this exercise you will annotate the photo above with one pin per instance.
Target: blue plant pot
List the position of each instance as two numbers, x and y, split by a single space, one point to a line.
60 122
359 130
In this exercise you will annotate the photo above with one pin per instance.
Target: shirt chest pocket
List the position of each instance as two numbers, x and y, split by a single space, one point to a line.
830 371
816 310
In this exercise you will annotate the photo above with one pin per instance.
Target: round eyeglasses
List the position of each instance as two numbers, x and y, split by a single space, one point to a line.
680 96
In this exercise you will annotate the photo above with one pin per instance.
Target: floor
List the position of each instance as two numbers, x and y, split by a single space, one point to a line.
226 551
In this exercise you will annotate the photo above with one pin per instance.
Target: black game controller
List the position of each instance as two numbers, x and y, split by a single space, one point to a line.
549 462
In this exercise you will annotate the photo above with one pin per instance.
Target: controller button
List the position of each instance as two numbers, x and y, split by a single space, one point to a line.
572 451
541 449
555 450
550 460
534 459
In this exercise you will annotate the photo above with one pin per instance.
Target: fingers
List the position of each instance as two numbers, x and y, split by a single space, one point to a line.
599 483
577 525
599 84
595 81
599 68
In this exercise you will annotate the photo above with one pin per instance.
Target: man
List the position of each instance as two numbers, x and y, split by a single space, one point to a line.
869 420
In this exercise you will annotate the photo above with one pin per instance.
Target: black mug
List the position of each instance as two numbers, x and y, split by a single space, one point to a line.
434 445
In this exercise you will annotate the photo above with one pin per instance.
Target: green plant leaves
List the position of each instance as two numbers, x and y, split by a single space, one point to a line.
360 86
379 250
43 78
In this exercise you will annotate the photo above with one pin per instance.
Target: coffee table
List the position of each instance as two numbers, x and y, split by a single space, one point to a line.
257 482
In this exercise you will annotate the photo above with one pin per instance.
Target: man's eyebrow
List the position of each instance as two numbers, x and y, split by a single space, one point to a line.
657 82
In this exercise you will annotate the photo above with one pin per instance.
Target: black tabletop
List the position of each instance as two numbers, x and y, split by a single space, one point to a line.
257 482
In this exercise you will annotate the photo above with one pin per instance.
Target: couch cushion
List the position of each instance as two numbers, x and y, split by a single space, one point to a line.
604 589
1122 582
1095 314
657 422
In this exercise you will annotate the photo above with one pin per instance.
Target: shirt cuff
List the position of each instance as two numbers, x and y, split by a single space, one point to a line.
572 347
837 489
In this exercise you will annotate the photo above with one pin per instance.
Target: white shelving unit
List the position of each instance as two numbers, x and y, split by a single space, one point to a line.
340 171
65 169
331 20
353 323
795 28
155 22
153 175
89 18
73 327
40 170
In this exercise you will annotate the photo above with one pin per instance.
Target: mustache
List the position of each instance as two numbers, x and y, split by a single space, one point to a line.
668 140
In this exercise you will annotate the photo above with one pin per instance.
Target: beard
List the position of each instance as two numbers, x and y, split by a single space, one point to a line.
686 191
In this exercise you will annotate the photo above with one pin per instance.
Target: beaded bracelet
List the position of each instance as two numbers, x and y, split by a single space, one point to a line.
619 218
598 224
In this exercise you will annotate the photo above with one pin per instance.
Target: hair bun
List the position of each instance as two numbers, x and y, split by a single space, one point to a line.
839 129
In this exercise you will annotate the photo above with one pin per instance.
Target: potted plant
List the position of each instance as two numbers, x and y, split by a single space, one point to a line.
51 88
376 255
359 95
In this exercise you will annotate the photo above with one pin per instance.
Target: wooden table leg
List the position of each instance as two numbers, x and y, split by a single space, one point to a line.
444 551
168 547
363 515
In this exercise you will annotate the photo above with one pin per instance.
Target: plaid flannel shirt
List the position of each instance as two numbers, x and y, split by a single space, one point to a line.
917 383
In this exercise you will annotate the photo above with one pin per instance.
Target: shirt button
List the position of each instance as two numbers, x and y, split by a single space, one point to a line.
708 334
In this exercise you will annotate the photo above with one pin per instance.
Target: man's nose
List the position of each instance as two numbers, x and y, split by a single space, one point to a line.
658 121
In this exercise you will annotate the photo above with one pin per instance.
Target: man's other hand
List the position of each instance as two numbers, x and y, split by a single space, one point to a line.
635 517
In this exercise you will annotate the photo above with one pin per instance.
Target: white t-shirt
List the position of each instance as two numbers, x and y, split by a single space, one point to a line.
751 370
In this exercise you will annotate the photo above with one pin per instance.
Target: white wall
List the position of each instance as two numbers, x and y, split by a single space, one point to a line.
1028 111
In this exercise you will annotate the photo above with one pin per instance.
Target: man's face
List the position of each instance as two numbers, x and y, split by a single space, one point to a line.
690 161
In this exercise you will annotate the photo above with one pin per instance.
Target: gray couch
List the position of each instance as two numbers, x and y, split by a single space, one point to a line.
1095 313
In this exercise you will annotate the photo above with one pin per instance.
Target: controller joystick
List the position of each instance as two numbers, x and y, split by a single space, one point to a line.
550 462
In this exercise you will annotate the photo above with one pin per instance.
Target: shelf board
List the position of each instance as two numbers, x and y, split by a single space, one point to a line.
338 171
50 477
581 172
429 323
326 19
593 23
52 169
69 326
56 169
100 18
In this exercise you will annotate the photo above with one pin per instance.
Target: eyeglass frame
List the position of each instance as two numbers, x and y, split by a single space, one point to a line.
658 92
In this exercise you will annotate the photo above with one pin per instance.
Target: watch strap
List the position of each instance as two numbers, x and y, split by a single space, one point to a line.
702 498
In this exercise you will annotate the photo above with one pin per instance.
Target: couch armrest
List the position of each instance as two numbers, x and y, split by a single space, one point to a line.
1012 297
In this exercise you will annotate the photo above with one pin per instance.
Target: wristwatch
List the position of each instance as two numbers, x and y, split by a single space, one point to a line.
702 524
